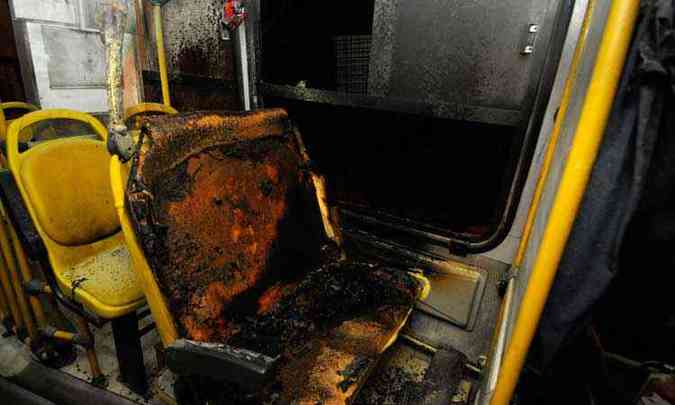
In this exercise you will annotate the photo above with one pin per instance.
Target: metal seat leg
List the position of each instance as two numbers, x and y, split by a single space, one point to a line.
130 353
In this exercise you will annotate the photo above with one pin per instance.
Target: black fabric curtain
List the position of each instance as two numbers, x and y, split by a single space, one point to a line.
634 176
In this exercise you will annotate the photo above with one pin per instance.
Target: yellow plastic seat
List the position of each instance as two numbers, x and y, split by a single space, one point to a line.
13 105
65 185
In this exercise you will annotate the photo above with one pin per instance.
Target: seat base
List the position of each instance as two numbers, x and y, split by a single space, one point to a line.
100 276
328 331
130 353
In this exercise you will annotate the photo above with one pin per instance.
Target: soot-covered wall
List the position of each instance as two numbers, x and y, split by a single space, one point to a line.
200 62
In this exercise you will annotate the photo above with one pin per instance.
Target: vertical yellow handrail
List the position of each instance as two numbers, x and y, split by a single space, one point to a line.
6 285
4 307
166 327
161 54
15 277
3 124
588 136
555 134
549 154
27 275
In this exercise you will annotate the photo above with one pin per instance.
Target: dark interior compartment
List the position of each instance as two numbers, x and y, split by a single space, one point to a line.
423 115
445 175
325 46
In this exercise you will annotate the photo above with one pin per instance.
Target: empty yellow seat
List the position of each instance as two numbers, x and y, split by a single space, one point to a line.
65 184
100 276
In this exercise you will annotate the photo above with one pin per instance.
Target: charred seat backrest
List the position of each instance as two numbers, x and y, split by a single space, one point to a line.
223 207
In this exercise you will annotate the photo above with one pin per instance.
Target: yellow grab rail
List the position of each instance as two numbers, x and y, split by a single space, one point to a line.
158 305
588 136
161 54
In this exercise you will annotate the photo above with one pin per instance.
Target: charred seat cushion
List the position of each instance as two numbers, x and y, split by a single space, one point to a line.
227 216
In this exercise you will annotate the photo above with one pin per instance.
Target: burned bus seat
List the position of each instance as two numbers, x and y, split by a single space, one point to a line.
65 186
246 286
12 105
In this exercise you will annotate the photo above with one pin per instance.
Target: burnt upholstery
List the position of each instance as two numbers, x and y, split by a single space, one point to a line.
221 215
226 213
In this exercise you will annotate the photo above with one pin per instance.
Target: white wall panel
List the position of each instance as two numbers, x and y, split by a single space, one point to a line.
56 11
83 99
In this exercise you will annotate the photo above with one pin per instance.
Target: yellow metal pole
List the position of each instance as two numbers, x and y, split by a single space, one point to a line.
555 135
160 310
15 279
83 328
502 319
4 307
3 124
161 53
592 122
9 294
27 275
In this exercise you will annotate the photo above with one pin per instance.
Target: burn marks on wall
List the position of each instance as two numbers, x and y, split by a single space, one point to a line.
193 39
200 62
